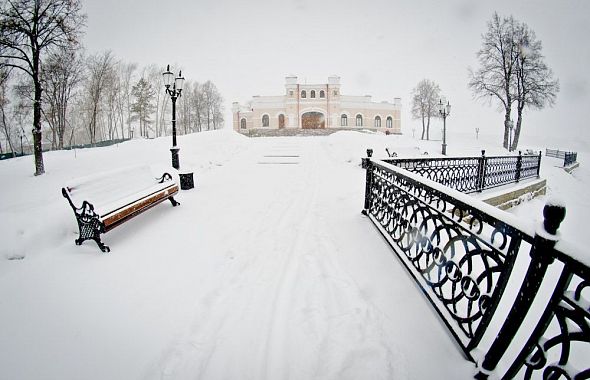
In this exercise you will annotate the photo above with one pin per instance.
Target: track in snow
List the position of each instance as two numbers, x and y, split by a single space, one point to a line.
286 307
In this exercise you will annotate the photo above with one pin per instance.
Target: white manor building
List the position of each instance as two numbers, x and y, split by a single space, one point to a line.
316 106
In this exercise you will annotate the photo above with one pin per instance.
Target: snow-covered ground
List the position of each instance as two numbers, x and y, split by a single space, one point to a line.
267 270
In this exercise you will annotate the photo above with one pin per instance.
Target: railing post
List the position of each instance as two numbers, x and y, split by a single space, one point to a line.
365 160
518 165
481 171
368 165
539 163
542 255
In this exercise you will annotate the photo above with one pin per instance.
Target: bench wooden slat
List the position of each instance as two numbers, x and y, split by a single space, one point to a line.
113 219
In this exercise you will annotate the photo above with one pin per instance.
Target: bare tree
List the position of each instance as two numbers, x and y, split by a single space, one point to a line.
100 68
4 101
217 111
184 112
125 74
29 29
61 77
197 105
497 60
153 74
112 101
425 97
512 70
535 86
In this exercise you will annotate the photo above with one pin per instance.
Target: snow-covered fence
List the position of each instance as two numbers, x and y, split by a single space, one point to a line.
471 174
568 157
462 252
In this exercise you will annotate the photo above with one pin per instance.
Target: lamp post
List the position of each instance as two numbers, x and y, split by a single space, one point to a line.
21 134
510 128
444 110
174 89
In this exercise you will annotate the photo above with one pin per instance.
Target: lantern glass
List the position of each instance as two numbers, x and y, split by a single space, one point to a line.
448 108
168 77
179 81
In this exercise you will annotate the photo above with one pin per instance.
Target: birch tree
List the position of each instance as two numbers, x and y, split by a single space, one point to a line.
512 69
535 86
425 98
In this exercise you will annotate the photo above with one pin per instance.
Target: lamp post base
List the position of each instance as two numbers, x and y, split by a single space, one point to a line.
444 149
175 159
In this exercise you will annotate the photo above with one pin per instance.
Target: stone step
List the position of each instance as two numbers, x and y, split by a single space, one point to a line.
300 132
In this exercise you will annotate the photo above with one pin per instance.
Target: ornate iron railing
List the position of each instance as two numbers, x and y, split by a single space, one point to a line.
569 158
563 329
471 174
555 153
462 251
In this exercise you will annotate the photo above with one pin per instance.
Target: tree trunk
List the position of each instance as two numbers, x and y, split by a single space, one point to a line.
423 128
506 128
516 136
428 128
38 149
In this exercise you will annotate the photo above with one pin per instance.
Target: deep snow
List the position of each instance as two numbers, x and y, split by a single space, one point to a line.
267 270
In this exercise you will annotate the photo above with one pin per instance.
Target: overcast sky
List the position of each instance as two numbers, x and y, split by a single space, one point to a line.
378 47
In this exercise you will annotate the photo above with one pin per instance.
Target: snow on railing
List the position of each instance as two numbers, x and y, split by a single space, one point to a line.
471 174
569 158
461 252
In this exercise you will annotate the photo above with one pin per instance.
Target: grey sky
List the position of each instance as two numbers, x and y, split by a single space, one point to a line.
378 47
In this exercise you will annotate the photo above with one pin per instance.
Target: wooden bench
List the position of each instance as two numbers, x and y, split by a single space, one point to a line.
104 201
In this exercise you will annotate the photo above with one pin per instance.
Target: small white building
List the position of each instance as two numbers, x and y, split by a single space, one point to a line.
316 106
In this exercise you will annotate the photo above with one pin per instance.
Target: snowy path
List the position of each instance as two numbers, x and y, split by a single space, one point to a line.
266 271
287 307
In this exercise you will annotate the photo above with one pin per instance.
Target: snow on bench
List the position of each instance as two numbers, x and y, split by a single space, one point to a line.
103 201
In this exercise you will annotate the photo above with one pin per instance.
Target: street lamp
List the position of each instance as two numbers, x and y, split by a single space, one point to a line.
21 134
510 128
444 110
174 89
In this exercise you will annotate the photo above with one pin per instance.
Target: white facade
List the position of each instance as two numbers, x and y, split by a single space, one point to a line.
316 106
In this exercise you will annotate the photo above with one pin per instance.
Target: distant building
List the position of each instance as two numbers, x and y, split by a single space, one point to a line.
316 106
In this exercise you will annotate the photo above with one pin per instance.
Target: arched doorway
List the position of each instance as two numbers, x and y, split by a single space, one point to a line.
313 120
281 121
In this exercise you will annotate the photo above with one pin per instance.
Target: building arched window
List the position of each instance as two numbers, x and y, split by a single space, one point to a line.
389 122
322 94
312 94
377 121
359 120
303 94
343 120
265 121
243 123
